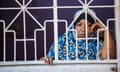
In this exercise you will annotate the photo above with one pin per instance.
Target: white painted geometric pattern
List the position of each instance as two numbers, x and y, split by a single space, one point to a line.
24 10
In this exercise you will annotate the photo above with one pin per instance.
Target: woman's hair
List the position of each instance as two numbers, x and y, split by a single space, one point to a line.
82 16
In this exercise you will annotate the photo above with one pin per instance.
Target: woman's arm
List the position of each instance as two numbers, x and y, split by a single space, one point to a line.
47 60
111 43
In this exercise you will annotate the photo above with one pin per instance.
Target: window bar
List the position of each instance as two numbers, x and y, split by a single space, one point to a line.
86 35
67 31
14 43
60 20
88 38
14 46
98 41
76 46
24 26
67 41
4 50
117 16
98 58
55 28
35 46
73 30
67 44
45 48
98 31
23 2
117 26
108 51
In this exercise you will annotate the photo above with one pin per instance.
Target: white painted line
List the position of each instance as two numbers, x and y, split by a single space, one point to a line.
55 18
102 6
34 18
18 2
4 48
89 2
81 2
35 42
93 38
40 7
45 22
24 29
60 62
86 29
13 20
32 39
14 33
108 51
11 8
28 3
98 52
23 1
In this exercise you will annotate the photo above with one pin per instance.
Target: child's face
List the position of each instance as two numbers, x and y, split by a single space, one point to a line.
80 28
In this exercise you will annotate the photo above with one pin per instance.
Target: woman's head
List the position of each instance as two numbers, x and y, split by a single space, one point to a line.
80 25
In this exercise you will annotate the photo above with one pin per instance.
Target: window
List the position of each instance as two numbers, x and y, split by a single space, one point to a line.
28 28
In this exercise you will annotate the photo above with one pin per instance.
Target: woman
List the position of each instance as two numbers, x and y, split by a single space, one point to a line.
84 27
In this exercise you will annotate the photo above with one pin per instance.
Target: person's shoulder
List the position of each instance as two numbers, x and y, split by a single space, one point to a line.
62 35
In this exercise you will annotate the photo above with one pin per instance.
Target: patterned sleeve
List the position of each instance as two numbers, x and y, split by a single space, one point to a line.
51 53
101 38
100 44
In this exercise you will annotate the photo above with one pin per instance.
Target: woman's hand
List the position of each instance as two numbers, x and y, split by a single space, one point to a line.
103 51
102 54
47 60
96 26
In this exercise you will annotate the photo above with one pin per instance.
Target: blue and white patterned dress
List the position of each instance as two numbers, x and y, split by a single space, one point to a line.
91 52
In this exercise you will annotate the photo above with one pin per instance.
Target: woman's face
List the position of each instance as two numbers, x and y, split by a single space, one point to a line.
80 28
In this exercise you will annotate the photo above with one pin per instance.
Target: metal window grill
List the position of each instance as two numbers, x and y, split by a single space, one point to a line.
17 39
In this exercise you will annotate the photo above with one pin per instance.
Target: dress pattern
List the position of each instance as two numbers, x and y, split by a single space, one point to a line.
72 44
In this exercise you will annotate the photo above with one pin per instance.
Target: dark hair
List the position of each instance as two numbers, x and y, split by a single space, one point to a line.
82 16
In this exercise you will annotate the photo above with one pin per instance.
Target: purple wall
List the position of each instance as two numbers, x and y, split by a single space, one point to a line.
41 15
